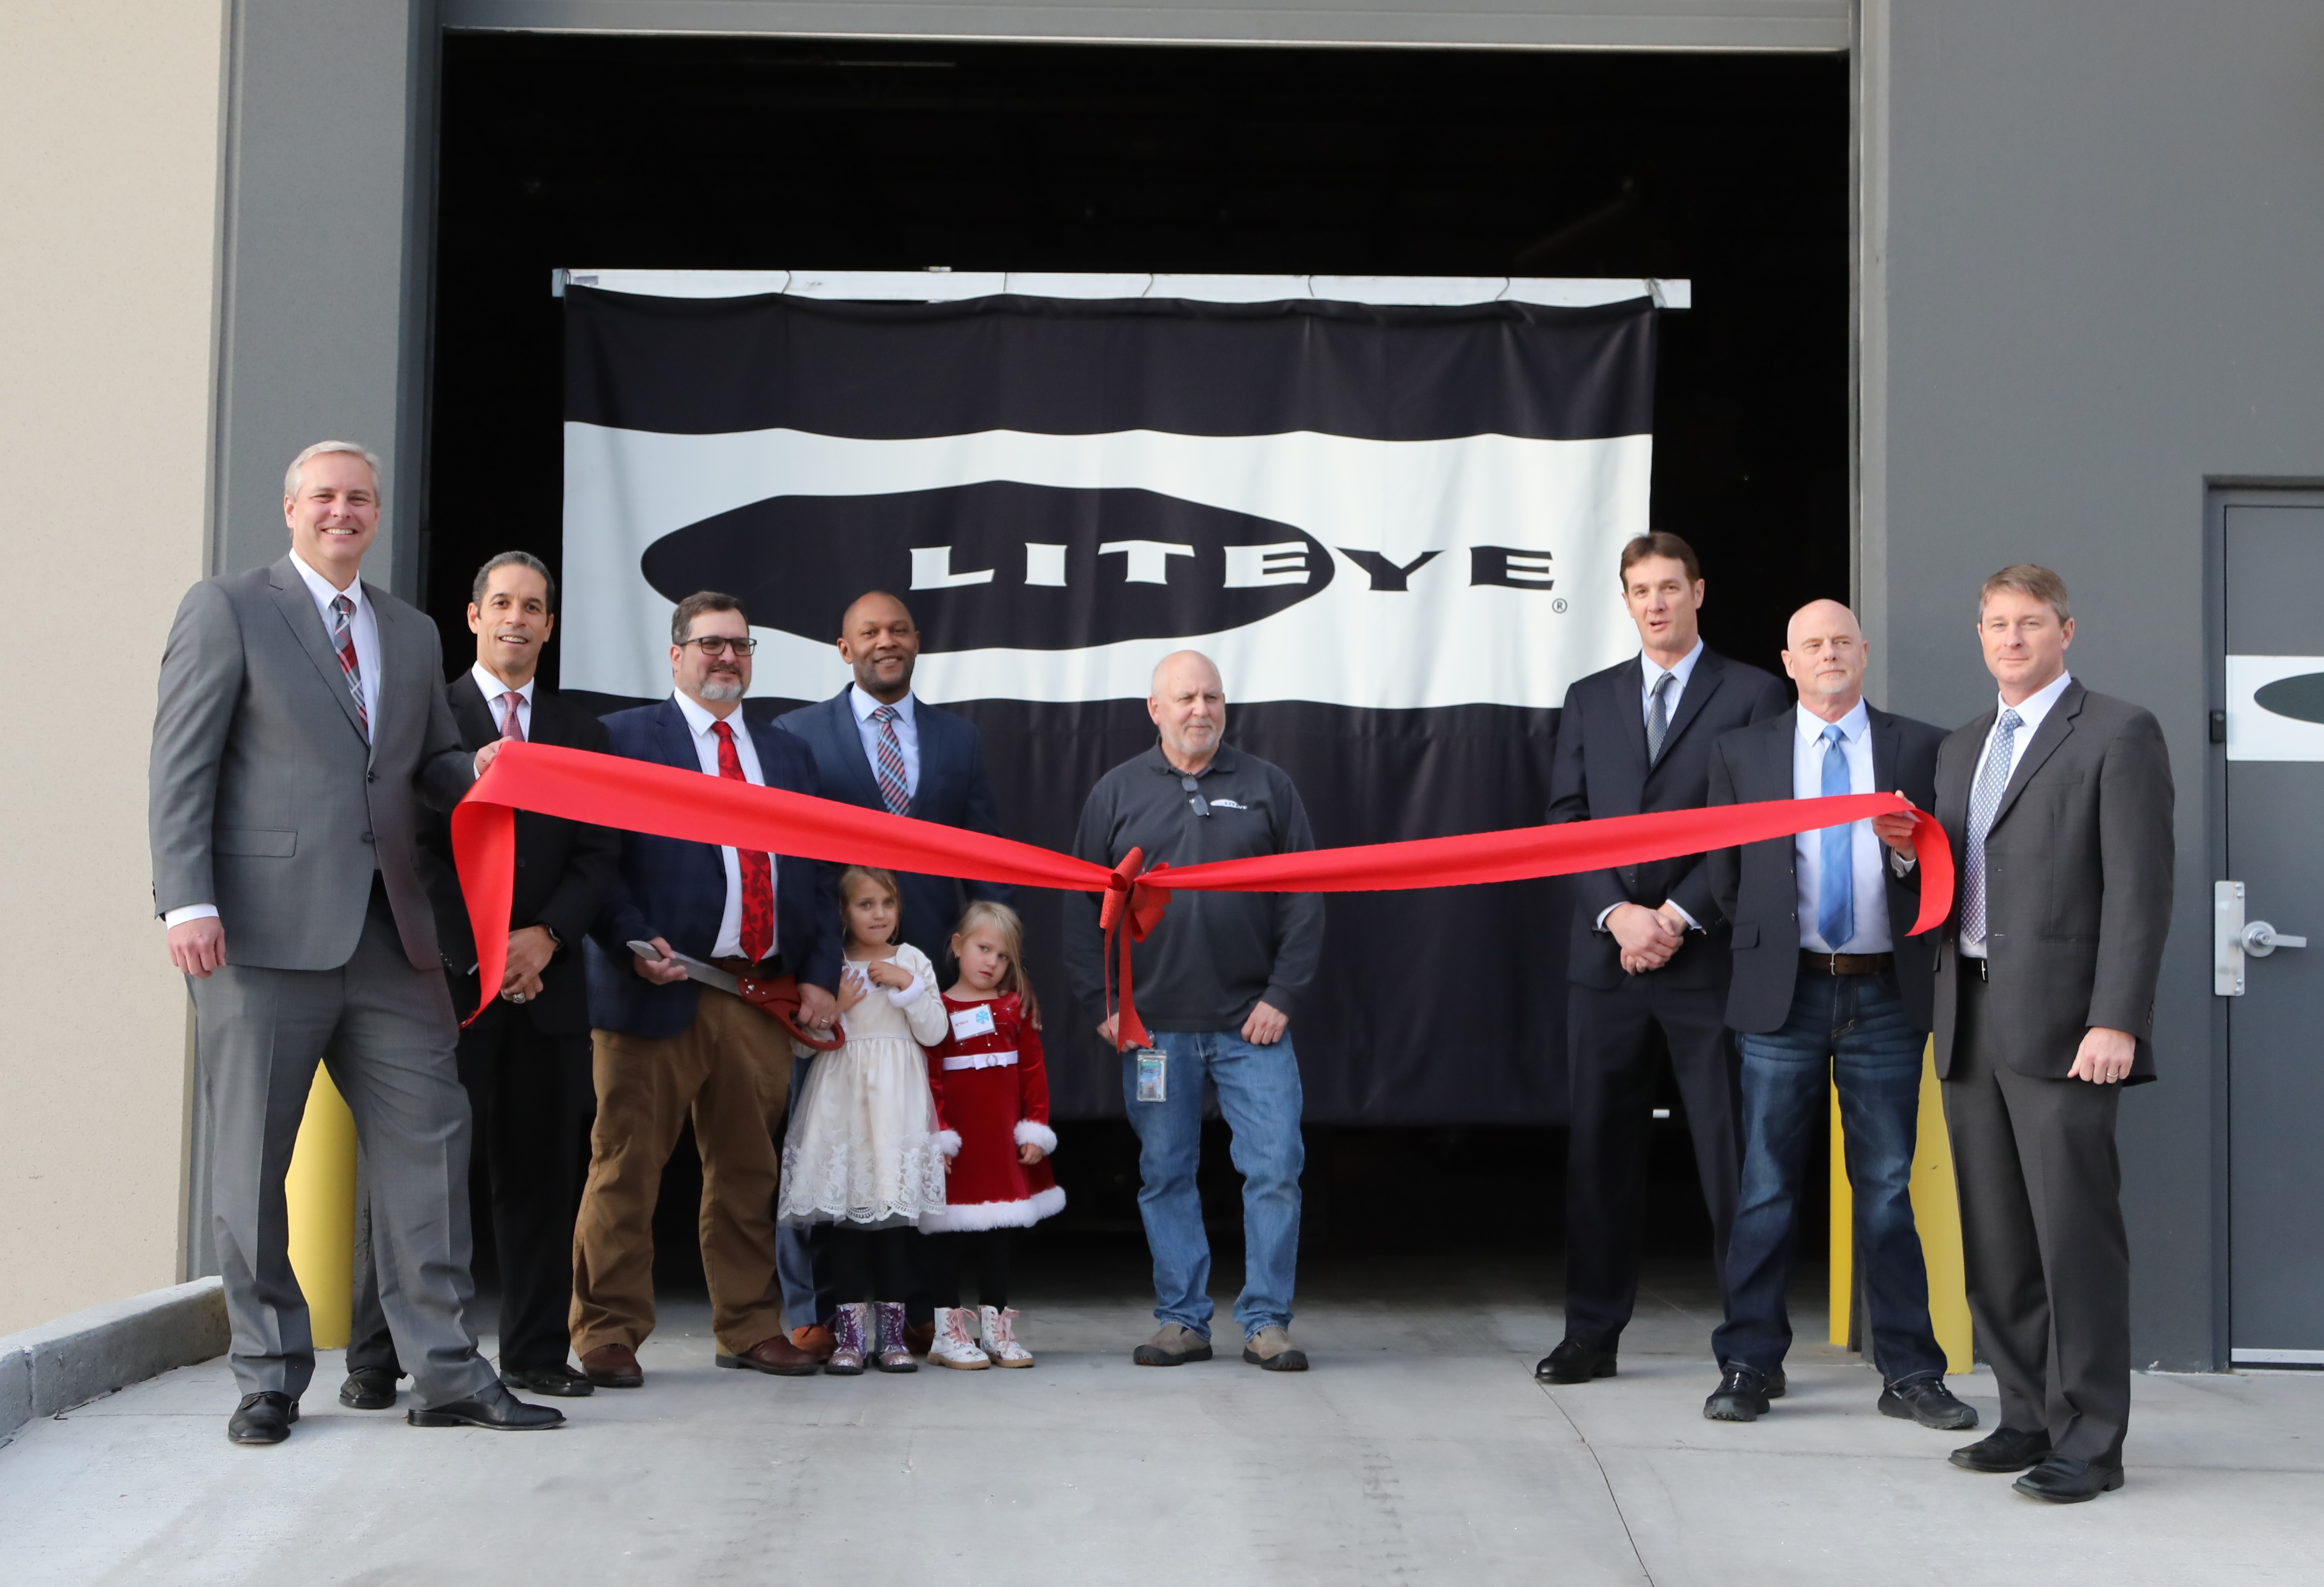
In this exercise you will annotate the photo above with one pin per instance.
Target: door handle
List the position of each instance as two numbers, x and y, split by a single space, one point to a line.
2260 939
2234 938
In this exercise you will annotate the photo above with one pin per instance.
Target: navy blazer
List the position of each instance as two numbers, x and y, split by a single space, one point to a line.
1601 770
1757 885
677 891
954 791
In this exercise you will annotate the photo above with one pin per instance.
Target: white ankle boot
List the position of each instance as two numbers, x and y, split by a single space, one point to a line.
956 1345
998 1336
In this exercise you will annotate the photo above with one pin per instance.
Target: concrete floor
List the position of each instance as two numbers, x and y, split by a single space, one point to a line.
1418 1450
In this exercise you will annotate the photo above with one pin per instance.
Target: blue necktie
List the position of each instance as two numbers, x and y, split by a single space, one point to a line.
1836 878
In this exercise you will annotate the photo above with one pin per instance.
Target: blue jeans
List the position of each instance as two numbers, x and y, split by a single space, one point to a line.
1859 1023
1259 1093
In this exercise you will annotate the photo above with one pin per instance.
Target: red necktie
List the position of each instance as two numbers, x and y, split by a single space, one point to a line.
510 727
757 872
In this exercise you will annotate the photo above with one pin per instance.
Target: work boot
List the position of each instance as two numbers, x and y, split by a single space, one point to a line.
955 1346
998 1335
1927 1401
1741 1396
848 1328
1270 1349
892 1354
1173 1346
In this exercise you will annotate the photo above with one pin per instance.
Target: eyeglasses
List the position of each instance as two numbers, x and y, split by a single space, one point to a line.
1195 789
717 644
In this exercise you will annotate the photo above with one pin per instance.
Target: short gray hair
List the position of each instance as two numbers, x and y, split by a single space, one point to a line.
378 473
512 559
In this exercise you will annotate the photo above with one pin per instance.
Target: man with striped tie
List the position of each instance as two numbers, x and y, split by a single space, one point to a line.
301 722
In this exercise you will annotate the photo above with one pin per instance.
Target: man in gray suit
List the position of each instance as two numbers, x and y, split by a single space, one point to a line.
2057 802
301 714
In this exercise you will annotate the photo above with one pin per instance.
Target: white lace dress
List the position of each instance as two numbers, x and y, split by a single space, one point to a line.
862 1147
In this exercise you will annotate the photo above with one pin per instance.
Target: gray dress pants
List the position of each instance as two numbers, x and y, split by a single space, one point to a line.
386 1032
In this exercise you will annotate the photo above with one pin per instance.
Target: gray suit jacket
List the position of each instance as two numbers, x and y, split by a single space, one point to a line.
2078 883
264 799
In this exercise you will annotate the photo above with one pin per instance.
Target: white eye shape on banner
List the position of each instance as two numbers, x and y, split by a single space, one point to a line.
1475 569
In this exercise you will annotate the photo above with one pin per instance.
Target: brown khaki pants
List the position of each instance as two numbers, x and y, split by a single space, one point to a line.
730 1070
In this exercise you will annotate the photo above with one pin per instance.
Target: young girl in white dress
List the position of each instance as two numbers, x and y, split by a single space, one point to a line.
862 1153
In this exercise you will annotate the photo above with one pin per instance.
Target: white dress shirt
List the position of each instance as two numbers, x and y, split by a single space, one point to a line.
492 688
1870 891
907 734
1653 674
2031 712
700 722
363 623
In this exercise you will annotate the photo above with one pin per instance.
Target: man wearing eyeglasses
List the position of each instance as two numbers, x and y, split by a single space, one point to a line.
667 1049
1217 982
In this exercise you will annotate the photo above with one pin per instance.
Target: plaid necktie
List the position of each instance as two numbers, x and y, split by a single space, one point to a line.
1984 803
343 640
1658 718
511 725
895 791
758 873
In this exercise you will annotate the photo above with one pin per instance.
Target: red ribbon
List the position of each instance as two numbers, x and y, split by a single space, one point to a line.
638 796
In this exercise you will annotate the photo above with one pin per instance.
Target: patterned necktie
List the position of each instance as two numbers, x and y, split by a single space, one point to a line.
1658 717
895 791
1836 876
512 726
758 871
1984 803
343 640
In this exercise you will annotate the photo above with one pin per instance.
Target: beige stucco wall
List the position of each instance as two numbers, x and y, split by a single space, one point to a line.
108 203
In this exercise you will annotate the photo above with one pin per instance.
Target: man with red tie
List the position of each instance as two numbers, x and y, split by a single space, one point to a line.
667 1049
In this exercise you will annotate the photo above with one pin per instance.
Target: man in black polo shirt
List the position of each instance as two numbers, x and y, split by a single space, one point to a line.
1216 983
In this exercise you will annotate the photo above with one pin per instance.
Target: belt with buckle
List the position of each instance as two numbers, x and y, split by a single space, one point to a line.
1846 964
762 970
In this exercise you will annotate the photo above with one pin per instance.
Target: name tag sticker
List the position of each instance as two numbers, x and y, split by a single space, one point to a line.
1152 1076
970 1024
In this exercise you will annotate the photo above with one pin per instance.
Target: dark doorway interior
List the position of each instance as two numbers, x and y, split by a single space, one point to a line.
1731 170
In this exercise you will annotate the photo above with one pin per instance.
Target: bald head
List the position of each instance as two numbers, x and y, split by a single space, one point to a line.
878 641
1824 653
1188 703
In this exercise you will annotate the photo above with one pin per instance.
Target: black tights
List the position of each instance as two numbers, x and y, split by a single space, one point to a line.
869 1264
943 1263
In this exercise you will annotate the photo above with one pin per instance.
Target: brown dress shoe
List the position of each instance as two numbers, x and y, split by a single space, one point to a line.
814 1340
612 1366
920 1338
776 1355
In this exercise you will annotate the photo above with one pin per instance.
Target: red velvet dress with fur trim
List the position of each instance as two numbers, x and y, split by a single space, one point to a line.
992 1096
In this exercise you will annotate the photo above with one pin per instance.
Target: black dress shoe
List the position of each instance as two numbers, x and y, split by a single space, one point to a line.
2064 1479
1929 1402
264 1418
368 1388
2005 1449
491 1407
1741 1396
560 1381
1574 1361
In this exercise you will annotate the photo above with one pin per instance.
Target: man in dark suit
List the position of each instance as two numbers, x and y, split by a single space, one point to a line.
1649 942
1825 974
2058 803
878 745
668 1049
525 1061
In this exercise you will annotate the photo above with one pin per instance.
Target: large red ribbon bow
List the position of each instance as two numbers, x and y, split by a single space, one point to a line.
638 795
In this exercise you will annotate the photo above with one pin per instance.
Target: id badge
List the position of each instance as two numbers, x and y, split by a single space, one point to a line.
968 1024
1152 1075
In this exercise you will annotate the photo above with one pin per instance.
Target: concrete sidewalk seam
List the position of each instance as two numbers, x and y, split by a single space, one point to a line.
88 1354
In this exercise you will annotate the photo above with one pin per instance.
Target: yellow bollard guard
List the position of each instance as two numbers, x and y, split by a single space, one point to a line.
319 1191
1936 1213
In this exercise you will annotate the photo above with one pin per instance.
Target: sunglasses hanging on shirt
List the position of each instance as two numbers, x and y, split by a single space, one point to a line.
1195 791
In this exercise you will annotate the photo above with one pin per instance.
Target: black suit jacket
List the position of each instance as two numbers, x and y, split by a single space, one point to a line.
563 868
2077 883
954 791
1602 770
1757 885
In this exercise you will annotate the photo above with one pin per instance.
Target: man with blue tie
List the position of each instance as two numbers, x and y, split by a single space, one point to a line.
1827 980
878 745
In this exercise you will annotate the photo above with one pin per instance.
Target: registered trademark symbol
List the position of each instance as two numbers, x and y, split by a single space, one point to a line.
1558 604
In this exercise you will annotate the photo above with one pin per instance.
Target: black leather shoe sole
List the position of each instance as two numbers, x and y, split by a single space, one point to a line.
554 1381
1282 1361
359 1396
1983 1456
2080 1490
266 1429
469 1414
806 1368
1153 1355
1735 1407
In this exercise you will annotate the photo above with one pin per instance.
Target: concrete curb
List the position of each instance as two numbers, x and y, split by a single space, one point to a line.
76 1359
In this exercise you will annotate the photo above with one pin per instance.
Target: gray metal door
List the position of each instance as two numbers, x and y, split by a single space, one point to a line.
2266 911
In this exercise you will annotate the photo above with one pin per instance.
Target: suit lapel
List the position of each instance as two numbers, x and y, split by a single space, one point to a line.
1700 687
297 606
676 740
1959 777
1885 742
2053 732
1630 688
848 741
1778 763
474 718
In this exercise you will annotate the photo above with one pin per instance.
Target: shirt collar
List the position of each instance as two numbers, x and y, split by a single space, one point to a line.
1682 671
1225 760
323 590
1852 726
2037 706
698 719
494 689
864 705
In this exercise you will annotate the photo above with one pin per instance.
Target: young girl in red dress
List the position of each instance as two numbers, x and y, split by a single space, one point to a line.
993 1099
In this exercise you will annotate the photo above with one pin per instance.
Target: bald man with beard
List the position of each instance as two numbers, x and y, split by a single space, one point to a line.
1827 981
1218 982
